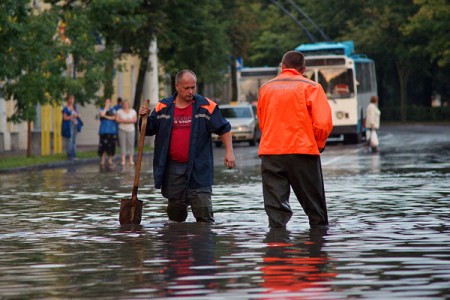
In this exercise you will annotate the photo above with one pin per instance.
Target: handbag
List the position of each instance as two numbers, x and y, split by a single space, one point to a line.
374 139
65 129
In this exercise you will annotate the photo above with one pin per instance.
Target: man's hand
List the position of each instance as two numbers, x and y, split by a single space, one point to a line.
143 110
229 161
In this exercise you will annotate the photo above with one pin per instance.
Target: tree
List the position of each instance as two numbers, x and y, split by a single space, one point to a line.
277 34
195 40
34 63
429 26
97 29
13 13
241 22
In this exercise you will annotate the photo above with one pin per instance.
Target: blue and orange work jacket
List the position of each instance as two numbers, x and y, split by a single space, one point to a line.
294 115
206 119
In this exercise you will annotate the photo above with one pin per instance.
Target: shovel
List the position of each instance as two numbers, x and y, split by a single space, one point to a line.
131 209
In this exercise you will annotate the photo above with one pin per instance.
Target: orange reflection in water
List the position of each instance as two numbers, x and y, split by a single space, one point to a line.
291 267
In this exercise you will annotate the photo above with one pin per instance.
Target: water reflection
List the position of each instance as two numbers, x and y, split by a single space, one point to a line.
189 252
293 266
389 235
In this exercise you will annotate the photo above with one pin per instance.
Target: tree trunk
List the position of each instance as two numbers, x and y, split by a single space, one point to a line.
234 84
109 67
140 82
28 138
403 80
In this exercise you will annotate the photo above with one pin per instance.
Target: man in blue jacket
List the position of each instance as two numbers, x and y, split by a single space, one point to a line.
183 164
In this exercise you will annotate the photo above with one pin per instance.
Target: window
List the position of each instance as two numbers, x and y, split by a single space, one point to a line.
365 75
337 82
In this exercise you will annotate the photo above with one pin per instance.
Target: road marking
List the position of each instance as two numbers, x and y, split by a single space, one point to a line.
337 158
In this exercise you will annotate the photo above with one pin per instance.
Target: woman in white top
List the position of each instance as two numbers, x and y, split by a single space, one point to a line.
126 117
373 123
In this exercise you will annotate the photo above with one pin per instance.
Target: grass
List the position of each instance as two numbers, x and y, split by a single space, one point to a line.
12 162
20 160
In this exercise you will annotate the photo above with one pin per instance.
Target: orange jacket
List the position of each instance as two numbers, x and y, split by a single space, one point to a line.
294 115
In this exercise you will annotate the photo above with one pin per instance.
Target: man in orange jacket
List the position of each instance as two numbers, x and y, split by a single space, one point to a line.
295 121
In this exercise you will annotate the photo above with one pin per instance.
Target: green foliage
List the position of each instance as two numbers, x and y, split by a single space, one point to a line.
417 114
277 34
408 40
35 65
12 14
195 39
428 25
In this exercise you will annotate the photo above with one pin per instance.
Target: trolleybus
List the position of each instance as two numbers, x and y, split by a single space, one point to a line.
349 81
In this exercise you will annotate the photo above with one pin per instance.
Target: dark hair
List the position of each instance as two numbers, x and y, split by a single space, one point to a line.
293 60
180 75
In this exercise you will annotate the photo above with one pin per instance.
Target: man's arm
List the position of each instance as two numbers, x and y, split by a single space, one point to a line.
229 161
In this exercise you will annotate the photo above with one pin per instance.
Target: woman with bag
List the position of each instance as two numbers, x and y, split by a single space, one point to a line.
372 123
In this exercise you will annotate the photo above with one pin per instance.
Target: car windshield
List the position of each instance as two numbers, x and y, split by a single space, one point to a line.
236 112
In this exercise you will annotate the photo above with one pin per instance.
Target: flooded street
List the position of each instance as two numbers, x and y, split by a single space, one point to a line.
389 236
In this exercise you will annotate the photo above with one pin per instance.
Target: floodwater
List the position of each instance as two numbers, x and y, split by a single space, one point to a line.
389 236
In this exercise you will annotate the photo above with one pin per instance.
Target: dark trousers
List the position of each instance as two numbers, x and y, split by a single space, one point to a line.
180 196
304 174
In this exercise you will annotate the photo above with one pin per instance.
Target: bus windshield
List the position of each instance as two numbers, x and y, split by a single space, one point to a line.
336 82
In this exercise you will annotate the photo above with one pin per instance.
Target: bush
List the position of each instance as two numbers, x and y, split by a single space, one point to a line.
417 114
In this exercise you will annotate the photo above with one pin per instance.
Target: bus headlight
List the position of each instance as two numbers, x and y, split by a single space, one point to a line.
341 115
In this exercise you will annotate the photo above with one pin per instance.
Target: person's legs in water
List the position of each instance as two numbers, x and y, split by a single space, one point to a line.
174 189
200 200
276 190
307 183
71 142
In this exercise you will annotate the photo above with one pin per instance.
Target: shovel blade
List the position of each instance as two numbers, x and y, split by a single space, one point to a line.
130 214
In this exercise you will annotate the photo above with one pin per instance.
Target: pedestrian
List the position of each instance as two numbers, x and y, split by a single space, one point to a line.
119 103
107 133
372 124
183 162
71 126
295 121
126 118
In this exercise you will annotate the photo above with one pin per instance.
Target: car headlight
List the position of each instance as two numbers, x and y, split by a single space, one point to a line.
242 128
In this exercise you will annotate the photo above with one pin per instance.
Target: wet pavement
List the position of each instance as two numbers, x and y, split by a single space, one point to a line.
389 236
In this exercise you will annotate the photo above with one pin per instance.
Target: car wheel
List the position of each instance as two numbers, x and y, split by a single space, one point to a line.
252 142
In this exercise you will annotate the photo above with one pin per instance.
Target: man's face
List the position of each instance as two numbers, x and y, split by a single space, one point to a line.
186 87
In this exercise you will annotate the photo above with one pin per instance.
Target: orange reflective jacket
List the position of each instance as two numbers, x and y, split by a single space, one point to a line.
294 115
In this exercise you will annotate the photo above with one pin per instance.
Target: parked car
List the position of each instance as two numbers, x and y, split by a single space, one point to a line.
244 123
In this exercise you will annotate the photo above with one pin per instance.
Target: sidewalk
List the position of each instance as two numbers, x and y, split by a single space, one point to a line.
57 164
60 163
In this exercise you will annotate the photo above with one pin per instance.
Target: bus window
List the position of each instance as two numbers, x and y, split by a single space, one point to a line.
249 89
365 75
337 82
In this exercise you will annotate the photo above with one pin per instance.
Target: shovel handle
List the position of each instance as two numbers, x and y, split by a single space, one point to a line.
139 156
